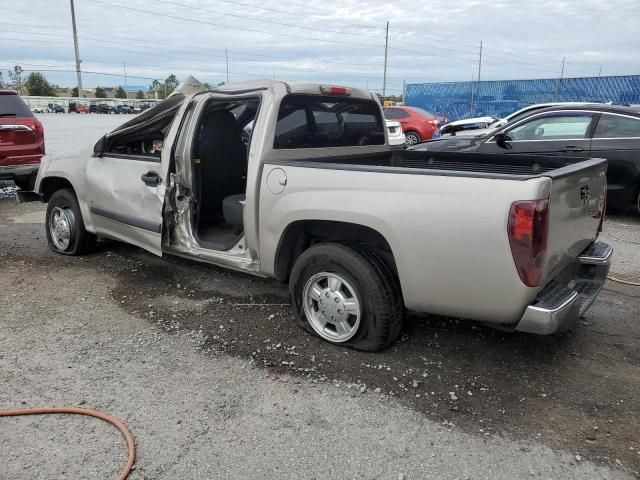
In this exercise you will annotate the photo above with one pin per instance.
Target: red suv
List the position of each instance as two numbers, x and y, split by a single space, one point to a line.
21 141
418 125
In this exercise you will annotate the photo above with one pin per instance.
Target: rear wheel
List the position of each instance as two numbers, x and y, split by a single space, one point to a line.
65 228
346 297
412 138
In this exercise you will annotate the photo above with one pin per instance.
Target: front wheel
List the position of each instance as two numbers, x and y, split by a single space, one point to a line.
412 138
65 228
346 296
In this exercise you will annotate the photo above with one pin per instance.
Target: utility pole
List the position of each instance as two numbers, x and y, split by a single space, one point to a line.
226 53
126 84
559 81
471 104
480 62
600 72
473 93
75 44
384 79
404 91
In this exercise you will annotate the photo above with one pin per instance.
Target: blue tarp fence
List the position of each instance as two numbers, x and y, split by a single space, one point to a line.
458 100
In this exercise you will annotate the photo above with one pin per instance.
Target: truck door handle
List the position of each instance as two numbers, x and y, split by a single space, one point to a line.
151 179
571 148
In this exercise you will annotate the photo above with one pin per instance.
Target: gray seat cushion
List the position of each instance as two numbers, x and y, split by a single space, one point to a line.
233 208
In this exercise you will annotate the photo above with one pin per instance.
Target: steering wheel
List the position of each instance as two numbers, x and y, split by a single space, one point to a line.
539 132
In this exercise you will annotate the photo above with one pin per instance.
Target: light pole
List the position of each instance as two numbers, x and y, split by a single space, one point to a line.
75 44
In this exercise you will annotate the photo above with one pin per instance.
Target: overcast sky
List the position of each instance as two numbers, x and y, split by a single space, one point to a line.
339 42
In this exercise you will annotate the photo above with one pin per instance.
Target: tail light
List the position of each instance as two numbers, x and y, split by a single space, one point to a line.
36 126
331 90
604 208
528 230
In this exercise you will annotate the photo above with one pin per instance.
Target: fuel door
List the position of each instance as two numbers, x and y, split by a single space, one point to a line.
276 181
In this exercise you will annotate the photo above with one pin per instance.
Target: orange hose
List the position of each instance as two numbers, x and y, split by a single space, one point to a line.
84 411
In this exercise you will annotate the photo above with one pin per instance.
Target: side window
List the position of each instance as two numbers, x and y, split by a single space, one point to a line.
556 127
617 126
395 114
314 121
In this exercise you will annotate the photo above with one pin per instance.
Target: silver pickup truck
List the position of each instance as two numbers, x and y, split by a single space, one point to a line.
313 196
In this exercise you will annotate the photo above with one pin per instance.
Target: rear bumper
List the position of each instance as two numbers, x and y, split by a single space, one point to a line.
9 172
568 296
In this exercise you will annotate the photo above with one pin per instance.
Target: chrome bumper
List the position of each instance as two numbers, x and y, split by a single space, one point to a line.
563 301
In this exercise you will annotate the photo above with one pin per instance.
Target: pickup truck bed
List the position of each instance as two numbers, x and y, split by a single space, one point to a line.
512 167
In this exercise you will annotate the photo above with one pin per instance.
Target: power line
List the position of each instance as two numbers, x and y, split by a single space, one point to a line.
258 19
288 12
232 27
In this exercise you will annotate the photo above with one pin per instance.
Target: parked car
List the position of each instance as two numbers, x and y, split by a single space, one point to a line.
586 130
418 125
55 108
518 114
469 126
125 109
78 107
21 141
396 135
95 107
316 198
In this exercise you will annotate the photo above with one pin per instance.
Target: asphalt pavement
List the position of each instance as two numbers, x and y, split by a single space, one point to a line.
213 378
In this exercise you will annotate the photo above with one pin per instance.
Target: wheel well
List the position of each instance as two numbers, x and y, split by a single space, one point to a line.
49 185
301 235
415 132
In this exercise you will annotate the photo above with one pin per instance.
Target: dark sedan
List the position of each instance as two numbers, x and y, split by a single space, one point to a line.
602 131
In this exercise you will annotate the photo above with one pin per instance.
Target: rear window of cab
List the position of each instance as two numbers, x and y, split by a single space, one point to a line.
315 121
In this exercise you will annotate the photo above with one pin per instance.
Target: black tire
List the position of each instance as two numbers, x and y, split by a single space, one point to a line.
412 138
381 311
81 241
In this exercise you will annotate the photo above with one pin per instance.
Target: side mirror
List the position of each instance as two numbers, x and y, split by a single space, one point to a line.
501 140
98 148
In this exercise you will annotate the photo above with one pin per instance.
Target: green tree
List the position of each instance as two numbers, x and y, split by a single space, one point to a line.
100 93
140 94
120 93
164 89
37 84
15 79
74 92
2 85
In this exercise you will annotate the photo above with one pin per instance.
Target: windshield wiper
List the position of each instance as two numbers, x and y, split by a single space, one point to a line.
7 114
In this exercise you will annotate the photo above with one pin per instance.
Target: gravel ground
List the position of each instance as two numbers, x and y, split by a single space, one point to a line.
213 378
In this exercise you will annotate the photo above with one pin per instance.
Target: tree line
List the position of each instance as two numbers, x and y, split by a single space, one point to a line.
36 84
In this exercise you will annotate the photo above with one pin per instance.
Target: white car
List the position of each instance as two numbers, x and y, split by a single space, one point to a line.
396 135
469 126
482 130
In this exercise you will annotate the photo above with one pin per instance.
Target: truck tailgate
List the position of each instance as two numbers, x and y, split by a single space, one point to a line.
576 205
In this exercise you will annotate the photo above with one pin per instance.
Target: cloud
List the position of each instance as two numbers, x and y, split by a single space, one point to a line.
340 43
